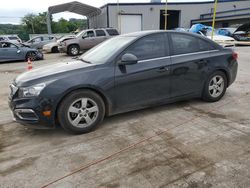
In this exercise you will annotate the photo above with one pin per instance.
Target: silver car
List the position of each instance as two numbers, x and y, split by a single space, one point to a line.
12 52
39 42
85 40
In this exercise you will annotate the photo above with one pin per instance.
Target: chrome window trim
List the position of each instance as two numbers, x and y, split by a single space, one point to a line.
166 57
153 59
194 53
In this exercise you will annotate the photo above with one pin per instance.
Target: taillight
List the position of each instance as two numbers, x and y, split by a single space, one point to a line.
235 56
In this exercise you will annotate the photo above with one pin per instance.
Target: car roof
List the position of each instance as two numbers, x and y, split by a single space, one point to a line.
140 34
148 32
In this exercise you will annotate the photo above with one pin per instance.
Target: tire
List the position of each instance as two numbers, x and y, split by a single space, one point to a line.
215 87
31 56
81 111
73 50
55 49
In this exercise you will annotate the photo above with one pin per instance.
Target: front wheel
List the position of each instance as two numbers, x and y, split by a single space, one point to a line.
31 56
215 87
73 50
81 111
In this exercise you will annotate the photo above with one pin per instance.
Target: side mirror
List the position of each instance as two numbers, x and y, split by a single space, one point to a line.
128 59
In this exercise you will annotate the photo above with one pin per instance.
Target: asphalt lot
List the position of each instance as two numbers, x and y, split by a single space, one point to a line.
187 144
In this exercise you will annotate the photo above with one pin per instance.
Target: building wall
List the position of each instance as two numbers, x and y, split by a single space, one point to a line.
100 20
151 12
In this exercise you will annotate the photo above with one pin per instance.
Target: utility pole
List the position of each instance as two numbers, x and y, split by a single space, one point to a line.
118 17
214 16
166 15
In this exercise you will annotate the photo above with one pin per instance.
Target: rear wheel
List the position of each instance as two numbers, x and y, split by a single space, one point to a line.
81 111
31 56
215 87
55 49
73 50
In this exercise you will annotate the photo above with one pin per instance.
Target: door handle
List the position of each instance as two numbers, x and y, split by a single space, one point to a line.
163 69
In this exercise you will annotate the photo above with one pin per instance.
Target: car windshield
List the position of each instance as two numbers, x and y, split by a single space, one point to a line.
101 53
80 33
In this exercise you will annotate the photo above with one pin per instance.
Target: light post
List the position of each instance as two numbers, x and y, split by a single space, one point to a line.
166 15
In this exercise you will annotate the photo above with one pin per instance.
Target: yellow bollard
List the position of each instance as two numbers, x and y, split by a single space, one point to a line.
214 16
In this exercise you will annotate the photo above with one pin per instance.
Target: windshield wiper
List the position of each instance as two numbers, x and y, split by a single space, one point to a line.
78 58
85 61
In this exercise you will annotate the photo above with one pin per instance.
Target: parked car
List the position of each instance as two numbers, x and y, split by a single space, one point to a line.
242 33
86 40
39 42
224 41
124 73
52 47
12 52
229 31
11 38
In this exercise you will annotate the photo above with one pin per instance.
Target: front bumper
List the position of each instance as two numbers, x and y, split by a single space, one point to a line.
39 55
29 112
62 49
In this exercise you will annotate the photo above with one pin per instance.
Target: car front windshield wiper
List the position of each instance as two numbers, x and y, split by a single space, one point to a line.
78 58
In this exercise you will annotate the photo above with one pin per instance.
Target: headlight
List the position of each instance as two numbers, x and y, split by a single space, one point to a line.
31 91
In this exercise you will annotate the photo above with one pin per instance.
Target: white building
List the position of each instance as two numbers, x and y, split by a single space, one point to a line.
130 17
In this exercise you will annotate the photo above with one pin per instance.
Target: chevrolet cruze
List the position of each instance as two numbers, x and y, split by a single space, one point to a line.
125 73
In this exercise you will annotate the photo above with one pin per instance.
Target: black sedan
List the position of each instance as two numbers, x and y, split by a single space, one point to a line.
13 52
125 73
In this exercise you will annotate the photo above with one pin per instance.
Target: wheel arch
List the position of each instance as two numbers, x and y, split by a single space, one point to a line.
72 44
27 52
105 99
226 73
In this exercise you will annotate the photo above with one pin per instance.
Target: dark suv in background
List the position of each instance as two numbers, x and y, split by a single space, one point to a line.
125 73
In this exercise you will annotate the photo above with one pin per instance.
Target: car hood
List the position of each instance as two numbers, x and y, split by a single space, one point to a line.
244 27
50 72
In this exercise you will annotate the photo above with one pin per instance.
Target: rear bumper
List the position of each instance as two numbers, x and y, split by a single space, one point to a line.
233 72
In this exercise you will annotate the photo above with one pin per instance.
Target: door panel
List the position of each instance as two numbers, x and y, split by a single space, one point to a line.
188 73
190 59
88 40
146 82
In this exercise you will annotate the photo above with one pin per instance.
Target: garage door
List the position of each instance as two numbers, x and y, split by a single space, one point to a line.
130 23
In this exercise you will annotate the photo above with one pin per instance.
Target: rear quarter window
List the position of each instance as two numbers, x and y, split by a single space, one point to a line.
112 32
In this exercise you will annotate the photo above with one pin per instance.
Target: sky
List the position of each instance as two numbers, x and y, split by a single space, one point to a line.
11 11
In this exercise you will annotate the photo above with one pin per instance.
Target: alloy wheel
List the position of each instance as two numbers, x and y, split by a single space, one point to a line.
216 86
74 50
83 112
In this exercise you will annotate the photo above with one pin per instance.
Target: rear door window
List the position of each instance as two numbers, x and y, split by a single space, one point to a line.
112 32
183 44
100 33
13 38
